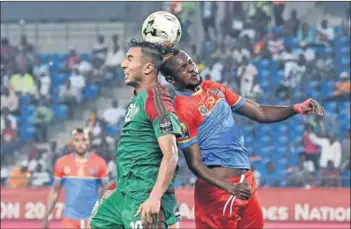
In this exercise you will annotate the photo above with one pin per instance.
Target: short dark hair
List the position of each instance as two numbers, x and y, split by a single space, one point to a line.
152 50
168 57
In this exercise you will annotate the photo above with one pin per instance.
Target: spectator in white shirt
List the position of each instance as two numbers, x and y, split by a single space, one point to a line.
40 177
77 83
276 45
100 48
112 116
10 100
325 34
45 82
5 115
113 64
247 74
215 71
331 149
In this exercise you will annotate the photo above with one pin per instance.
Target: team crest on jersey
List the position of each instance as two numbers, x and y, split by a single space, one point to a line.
184 131
203 110
67 170
165 124
93 172
131 112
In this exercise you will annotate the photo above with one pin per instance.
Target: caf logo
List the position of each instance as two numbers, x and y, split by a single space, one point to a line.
67 170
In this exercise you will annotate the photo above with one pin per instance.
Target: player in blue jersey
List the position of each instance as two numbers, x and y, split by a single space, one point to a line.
81 173
225 193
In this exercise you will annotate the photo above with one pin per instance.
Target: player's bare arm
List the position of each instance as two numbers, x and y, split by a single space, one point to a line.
271 113
194 160
150 209
53 197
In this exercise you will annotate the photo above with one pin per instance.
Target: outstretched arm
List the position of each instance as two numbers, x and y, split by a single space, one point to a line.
271 113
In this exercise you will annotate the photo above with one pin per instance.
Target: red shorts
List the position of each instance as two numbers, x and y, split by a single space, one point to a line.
215 208
72 223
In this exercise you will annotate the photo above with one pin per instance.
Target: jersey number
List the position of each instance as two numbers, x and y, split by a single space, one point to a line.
136 225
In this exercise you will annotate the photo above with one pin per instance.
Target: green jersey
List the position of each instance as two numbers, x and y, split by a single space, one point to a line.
150 114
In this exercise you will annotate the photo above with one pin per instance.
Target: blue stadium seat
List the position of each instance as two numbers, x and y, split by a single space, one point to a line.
25 100
327 87
60 112
330 107
91 91
59 79
85 56
28 110
27 134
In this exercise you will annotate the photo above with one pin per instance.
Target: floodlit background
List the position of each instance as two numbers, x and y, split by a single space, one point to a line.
60 70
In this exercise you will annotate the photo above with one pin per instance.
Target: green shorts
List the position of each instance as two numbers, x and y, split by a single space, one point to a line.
119 209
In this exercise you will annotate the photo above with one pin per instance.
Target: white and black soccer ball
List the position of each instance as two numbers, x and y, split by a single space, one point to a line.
162 27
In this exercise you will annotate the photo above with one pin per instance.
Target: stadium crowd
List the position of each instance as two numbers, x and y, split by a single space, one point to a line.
257 53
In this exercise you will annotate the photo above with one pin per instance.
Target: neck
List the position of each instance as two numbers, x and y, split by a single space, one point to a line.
147 83
81 157
187 90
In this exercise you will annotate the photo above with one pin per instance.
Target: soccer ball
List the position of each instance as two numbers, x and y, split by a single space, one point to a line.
163 28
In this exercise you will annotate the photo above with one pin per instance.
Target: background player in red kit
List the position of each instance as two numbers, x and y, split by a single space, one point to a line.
225 193
81 173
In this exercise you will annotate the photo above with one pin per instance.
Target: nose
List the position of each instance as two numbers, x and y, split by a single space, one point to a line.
191 68
123 65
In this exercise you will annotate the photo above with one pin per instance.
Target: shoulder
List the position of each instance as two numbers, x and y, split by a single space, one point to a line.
96 158
158 102
64 159
207 84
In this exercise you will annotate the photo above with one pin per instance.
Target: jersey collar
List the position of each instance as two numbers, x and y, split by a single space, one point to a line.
185 93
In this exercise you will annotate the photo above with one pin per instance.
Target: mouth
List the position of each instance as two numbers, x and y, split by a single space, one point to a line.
126 75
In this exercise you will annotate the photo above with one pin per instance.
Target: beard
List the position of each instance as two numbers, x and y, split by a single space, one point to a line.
194 86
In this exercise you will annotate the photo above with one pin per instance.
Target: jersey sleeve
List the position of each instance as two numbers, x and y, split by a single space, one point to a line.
58 171
234 100
103 174
189 130
160 110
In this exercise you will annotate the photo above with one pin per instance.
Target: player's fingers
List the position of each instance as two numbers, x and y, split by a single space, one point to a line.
139 210
143 217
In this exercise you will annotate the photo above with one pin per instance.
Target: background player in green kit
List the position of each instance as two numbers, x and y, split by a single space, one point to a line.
147 151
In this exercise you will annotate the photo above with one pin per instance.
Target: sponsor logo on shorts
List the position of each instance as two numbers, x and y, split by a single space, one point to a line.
165 124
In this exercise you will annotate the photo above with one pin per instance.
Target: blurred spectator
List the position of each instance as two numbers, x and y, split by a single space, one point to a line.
345 152
325 68
305 35
19 176
25 46
276 45
5 77
113 115
278 8
113 62
42 117
72 59
239 53
260 14
310 148
330 147
214 69
209 14
272 178
95 127
24 83
39 67
44 83
194 54
111 168
77 84
8 52
342 89
293 73
97 73
208 47
23 61
9 100
346 23
302 174
40 177
9 142
257 175
325 33
84 68
6 115
254 157
4 175
68 97
330 175
100 48
292 24
247 74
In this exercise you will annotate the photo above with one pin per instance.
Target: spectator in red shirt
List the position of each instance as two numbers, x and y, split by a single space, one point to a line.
72 59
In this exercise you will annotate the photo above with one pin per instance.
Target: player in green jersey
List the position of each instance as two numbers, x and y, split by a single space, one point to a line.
147 151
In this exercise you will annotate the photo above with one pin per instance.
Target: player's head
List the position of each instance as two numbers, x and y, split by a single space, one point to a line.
180 70
142 62
80 140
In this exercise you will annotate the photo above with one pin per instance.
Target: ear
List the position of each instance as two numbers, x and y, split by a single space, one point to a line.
169 79
148 68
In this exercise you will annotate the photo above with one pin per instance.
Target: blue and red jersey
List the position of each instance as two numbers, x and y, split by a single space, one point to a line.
81 182
206 118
